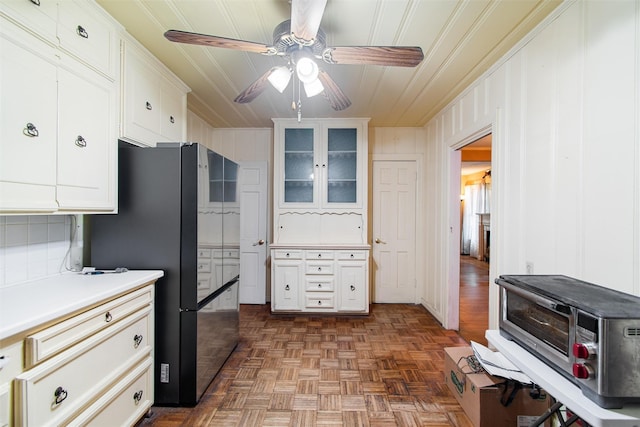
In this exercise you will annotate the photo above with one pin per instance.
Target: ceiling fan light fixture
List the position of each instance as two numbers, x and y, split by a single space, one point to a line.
307 70
280 77
313 88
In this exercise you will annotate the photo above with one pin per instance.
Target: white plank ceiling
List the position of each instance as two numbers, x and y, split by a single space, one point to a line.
460 40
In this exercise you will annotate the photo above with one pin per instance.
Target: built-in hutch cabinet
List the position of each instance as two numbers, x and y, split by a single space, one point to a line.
320 255
59 79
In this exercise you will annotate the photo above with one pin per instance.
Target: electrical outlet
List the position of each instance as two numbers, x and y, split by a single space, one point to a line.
529 267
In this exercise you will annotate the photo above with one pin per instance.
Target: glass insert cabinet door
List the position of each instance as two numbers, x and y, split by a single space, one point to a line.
323 170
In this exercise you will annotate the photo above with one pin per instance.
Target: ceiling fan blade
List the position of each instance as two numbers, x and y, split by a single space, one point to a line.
333 93
254 89
215 41
305 18
398 56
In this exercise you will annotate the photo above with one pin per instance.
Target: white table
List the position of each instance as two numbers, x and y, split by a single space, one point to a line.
561 388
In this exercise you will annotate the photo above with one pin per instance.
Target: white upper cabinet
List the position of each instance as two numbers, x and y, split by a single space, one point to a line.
154 102
59 82
320 163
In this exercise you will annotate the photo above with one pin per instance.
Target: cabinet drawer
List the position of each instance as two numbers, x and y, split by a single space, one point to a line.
316 267
204 253
57 389
319 255
319 284
352 255
226 253
287 254
38 18
44 344
319 300
204 266
125 403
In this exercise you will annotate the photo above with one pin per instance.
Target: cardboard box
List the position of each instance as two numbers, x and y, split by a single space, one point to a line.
480 394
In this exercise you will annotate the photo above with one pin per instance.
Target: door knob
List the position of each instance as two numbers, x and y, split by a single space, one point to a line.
379 241
259 242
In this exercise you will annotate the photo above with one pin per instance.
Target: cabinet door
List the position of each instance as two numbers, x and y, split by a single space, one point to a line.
340 180
86 143
143 100
352 283
27 123
87 36
172 119
301 167
286 285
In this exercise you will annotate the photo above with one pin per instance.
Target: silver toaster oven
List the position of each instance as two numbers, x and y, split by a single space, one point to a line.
588 333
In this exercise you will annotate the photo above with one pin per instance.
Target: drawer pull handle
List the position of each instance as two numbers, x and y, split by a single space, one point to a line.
352 255
319 255
60 395
319 302
149 107
31 130
319 285
171 119
353 288
108 317
286 288
36 2
287 255
137 397
319 268
137 340
81 142
82 32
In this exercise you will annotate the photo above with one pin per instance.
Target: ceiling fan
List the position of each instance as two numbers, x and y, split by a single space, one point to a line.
301 41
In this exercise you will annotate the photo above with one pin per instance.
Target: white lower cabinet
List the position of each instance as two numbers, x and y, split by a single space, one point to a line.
94 368
320 280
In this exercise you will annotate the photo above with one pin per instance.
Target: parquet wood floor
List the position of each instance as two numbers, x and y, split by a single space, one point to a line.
380 370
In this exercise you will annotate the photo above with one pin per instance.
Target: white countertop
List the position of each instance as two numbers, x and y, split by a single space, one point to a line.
562 389
26 305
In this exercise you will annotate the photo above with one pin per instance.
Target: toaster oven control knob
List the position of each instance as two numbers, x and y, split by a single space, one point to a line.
584 350
582 371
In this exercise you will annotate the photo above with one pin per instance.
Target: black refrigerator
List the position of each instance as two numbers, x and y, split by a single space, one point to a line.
178 211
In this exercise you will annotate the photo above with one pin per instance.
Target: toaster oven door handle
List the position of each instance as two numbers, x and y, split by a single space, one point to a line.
544 302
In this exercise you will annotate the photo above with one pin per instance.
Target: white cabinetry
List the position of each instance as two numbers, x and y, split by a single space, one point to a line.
320 255
320 280
59 83
154 100
92 369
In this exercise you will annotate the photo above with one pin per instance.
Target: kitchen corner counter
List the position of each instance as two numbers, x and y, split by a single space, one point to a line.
36 303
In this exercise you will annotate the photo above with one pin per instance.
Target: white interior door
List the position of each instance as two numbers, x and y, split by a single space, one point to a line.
394 226
253 232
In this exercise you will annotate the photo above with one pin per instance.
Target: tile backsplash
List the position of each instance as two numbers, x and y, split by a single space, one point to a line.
38 246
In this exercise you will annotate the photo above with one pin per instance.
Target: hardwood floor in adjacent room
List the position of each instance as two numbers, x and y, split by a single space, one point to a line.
384 369
474 299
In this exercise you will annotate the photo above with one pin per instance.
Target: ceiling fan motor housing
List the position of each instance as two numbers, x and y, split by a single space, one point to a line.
285 42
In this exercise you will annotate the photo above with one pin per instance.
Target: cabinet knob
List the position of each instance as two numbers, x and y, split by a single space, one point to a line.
81 142
286 288
59 395
108 317
82 32
287 255
31 130
149 106
351 256
319 268
137 339
137 397
319 255
353 288
319 302
171 119
320 285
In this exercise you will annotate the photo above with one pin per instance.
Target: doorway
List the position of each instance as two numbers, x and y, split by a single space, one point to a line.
475 241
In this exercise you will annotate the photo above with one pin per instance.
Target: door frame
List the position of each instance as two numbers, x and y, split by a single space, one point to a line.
420 230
